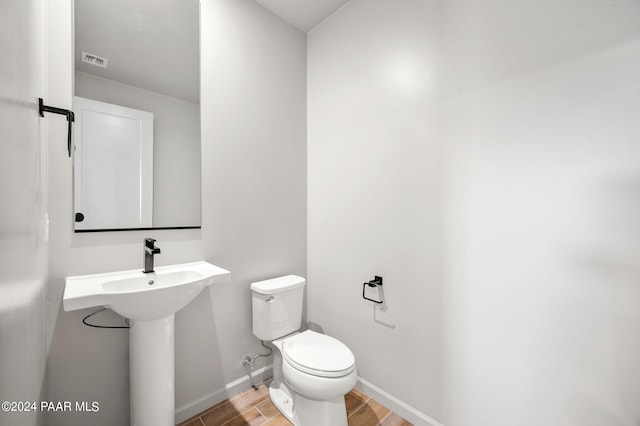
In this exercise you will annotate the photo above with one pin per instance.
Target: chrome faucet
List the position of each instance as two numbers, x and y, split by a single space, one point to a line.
149 250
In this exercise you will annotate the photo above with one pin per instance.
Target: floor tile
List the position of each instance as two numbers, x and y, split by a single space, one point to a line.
250 398
267 408
395 420
250 417
368 414
227 410
352 402
192 422
278 420
219 414
360 394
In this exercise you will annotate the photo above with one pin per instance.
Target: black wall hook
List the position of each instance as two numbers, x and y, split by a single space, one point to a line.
42 108
373 283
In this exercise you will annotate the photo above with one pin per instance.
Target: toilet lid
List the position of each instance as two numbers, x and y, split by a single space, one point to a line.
318 354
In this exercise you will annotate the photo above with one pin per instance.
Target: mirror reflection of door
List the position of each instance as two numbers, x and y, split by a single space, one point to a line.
113 166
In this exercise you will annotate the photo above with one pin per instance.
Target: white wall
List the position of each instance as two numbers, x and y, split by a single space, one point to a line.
253 155
23 252
539 115
253 221
82 365
535 106
176 145
374 182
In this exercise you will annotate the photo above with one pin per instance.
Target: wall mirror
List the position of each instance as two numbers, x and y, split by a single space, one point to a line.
137 104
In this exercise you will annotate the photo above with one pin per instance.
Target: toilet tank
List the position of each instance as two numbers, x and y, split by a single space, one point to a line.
277 306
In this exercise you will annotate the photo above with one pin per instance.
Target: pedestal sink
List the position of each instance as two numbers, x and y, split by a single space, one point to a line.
150 302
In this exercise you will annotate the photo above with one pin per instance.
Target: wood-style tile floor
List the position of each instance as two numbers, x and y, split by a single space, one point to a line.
254 408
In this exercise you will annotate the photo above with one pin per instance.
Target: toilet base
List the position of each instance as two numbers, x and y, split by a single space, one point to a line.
281 397
308 412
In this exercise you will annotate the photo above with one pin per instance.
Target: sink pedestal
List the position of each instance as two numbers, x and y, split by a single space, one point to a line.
151 363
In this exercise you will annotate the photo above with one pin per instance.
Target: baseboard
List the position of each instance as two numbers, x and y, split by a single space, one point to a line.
192 408
399 407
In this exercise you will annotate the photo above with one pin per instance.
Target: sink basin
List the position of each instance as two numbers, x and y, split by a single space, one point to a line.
149 301
139 296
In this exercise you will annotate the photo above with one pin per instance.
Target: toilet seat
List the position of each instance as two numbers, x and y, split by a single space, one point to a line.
318 354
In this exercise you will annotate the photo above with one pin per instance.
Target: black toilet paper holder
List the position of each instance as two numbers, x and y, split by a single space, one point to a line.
373 283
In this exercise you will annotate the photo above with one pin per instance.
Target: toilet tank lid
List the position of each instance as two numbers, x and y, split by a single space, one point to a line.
278 285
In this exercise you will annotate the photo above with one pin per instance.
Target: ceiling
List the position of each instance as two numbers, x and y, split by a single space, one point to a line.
303 14
151 44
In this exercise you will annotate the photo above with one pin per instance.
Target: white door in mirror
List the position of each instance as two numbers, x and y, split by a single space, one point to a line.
113 166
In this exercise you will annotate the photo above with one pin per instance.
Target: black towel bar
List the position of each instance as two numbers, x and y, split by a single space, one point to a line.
42 108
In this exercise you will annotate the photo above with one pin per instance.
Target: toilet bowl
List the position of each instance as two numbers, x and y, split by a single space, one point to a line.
317 366
311 371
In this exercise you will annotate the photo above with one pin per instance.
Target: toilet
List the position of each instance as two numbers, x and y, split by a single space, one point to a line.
311 371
